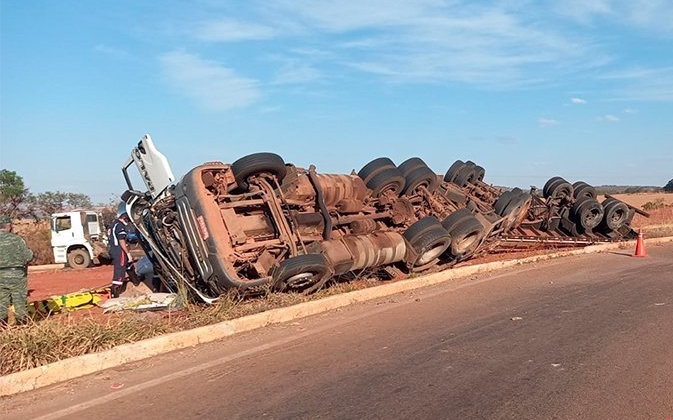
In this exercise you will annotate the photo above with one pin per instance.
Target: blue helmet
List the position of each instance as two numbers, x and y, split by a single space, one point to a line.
121 209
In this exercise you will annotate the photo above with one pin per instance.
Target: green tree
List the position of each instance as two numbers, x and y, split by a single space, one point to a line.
46 203
79 201
669 187
13 193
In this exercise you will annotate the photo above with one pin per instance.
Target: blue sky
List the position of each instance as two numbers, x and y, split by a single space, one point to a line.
528 89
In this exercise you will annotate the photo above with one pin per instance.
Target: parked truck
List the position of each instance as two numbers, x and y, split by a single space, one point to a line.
261 222
78 238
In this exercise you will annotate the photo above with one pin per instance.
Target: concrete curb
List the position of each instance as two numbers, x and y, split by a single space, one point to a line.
90 363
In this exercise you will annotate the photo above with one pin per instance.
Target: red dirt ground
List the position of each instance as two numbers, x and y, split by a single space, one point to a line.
42 284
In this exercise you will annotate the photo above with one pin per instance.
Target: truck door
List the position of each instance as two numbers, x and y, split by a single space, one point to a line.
62 235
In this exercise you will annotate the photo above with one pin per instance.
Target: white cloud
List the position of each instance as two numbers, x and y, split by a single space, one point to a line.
578 101
226 30
648 15
207 83
494 44
608 118
642 84
630 111
547 122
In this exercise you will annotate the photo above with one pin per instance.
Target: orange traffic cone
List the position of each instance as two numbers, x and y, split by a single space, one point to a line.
640 245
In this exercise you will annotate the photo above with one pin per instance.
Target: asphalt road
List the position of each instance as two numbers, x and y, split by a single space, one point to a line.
587 337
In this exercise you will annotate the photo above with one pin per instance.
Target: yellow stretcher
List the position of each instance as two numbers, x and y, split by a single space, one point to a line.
69 302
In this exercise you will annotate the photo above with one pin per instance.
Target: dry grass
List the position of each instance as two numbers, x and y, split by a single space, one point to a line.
639 200
64 336
60 338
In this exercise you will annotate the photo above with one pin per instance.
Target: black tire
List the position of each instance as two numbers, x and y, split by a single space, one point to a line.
452 220
303 273
257 163
587 213
79 258
410 165
608 201
582 189
388 179
516 204
616 213
453 171
545 189
502 202
466 175
517 209
480 173
420 226
428 239
375 166
466 237
422 176
560 190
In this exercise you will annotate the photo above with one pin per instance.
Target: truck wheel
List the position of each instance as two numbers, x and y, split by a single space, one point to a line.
258 163
465 176
428 239
616 214
517 208
410 165
421 176
453 171
479 173
303 273
502 202
79 258
386 180
467 235
375 166
582 189
454 218
608 201
587 212
545 189
516 203
559 189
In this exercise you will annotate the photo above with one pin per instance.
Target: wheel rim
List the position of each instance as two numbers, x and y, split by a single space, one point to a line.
431 254
592 218
300 280
617 216
466 243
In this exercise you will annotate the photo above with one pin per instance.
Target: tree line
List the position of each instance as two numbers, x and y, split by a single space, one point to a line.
16 200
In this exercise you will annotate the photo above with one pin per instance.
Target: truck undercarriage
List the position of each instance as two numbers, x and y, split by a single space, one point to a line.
261 222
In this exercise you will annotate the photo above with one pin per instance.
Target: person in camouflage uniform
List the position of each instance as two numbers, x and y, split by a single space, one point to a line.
14 257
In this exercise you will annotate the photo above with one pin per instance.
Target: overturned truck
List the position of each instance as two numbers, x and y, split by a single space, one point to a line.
261 222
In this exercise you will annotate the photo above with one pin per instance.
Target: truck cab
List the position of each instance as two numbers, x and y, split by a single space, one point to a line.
78 238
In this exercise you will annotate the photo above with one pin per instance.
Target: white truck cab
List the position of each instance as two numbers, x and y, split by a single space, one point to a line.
78 238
